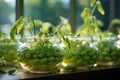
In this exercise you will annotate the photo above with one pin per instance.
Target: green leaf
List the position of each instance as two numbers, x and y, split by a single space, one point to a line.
65 40
100 8
0 32
92 2
41 34
77 34
60 35
38 22
20 25
19 28
14 28
85 13
46 26
100 23
100 36
44 29
63 26
32 25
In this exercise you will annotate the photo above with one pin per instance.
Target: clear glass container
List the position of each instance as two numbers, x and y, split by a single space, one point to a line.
40 55
8 50
81 55
109 55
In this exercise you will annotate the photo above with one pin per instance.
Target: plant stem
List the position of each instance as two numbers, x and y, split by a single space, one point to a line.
0 32
93 9
22 33
91 14
34 34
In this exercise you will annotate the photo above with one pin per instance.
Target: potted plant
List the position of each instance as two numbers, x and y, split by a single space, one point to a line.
39 54
8 49
78 55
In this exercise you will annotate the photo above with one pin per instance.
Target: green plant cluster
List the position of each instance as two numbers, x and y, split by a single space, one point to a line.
3 62
40 55
82 55
8 50
108 51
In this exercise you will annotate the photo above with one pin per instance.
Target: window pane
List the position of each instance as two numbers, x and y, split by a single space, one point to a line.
47 10
7 14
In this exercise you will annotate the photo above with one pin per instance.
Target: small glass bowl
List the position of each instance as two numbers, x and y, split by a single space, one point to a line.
39 56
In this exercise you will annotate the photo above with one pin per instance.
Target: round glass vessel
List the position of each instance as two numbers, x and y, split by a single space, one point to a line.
108 54
81 55
8 50
40 56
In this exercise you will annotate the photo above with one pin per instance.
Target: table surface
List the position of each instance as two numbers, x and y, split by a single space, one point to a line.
96 74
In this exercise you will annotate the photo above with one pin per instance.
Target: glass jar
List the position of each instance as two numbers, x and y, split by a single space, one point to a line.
8 50
108 54
40 56
81 55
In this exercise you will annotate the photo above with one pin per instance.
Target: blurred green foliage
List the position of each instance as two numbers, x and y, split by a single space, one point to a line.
5 12
49 11
46 10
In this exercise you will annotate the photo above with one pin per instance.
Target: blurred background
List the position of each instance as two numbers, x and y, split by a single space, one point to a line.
51 10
